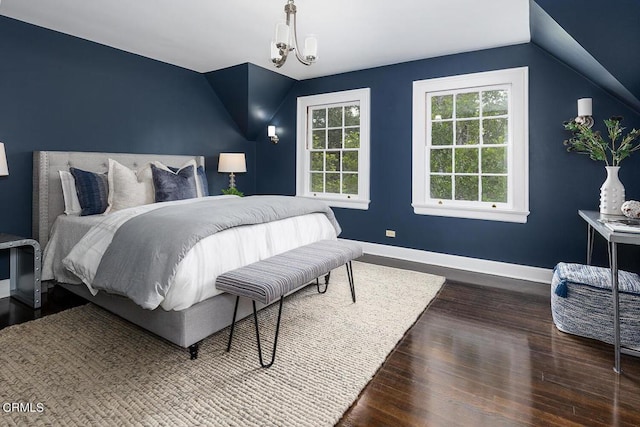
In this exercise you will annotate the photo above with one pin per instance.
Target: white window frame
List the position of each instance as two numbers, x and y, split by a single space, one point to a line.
517 207
362 96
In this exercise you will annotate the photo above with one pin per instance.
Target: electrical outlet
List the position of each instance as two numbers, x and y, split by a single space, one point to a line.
390 233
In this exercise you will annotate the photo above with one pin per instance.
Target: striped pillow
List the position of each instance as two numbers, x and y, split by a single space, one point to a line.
93 191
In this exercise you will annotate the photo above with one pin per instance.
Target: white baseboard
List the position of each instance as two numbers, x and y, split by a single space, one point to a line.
5 288
476 265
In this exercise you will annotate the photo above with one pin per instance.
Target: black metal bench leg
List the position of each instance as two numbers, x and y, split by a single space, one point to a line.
351 283
326 286
275 341
233 324
326 283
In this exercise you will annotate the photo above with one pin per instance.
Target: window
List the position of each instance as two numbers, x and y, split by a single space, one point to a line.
470 146
333 148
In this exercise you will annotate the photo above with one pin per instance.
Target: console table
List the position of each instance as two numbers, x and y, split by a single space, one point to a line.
24 262
595 223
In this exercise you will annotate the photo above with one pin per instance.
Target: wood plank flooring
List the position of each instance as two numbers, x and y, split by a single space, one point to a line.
483 356
478 356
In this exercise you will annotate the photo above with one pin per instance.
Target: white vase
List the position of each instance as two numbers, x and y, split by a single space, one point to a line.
611 193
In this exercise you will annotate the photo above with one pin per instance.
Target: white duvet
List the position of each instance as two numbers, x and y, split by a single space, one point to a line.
212 256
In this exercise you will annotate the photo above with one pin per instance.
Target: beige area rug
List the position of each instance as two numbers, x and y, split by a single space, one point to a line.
86 366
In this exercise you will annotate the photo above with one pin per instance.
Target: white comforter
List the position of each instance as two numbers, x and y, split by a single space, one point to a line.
212 256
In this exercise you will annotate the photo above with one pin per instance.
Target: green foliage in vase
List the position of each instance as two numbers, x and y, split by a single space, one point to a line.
612 152
232 191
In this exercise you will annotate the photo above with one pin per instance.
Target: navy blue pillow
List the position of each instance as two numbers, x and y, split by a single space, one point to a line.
203 181
93 191
174 186
202 176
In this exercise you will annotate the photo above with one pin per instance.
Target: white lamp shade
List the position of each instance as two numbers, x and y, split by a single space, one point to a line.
311 47
232 162
271 130
282 34
585 107
4 169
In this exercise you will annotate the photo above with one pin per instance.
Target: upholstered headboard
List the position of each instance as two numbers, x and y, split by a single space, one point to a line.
47 188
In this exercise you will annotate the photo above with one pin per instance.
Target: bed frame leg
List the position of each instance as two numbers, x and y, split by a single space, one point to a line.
193 350
275 341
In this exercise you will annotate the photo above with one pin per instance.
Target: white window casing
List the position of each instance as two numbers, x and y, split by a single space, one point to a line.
516 207
305 106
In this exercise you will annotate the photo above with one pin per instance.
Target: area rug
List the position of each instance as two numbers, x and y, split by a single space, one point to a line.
85 366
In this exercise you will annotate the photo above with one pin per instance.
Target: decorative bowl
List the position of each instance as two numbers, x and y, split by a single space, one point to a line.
631 209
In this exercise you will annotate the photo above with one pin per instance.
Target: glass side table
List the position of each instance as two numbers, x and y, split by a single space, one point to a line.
25 265
595 223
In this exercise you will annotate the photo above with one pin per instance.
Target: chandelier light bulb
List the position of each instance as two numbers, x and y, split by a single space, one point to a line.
311 48
282 35
275 52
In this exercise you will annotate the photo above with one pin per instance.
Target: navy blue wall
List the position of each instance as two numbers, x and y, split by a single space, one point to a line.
63 93
611 46
560 182
251 95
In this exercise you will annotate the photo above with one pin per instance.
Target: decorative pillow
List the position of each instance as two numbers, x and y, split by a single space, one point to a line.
198 182
201 180
174 186
128 188
92 189
204 185
71 202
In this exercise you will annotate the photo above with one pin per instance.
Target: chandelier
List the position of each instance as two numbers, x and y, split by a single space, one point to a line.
286 40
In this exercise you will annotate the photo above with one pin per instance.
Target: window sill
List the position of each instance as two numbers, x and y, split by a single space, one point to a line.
342 203
471 213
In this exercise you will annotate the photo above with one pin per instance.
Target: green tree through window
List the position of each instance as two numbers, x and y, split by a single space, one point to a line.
469 145
334 151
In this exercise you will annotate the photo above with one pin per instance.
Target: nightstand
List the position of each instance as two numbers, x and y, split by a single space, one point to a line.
25 268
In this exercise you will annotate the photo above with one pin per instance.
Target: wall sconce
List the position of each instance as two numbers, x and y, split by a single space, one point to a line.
271 132
4 169
232 163
585 110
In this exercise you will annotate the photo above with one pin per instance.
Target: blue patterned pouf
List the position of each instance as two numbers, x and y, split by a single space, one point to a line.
582 303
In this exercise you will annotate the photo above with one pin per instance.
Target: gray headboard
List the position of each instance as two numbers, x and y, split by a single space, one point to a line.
47 189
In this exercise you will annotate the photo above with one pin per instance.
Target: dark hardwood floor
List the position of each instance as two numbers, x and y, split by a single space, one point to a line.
57 299
484 356
478 356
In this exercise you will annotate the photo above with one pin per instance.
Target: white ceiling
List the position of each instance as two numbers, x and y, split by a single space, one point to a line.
207 35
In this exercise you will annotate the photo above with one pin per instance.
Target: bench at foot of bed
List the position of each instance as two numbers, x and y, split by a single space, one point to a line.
272 278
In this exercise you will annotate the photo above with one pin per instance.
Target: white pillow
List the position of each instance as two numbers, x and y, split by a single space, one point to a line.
195 173
69 194
128 188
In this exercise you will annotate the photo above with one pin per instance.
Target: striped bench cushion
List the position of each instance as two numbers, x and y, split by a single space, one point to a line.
269 279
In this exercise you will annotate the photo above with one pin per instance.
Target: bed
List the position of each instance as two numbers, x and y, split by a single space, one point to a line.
184 324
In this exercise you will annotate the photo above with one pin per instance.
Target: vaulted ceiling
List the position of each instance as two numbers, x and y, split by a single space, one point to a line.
209 35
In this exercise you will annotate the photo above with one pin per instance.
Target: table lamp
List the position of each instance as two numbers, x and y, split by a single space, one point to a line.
232 163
